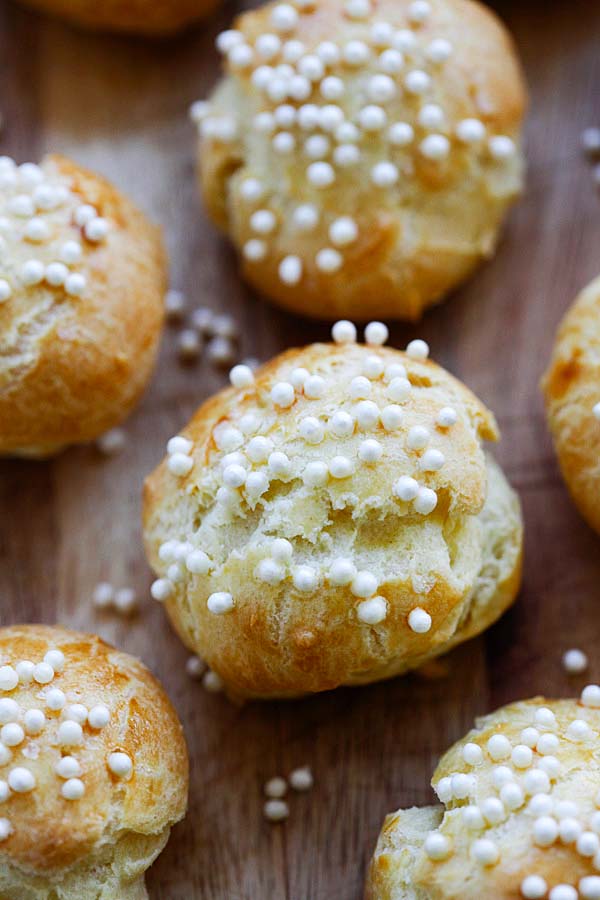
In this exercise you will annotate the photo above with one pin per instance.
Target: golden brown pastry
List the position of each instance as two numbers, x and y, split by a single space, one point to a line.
332 519
363 155
93 768
519 813
151 18
572 392
82 279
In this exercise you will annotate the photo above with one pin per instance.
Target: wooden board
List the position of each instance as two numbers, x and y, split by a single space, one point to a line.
120 106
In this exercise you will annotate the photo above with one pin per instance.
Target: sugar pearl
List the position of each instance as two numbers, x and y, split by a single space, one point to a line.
344 332
12 735
435 147
364 584
342 572
590 696
417 81
384 174
499 747
70 734
589 887
522 756
283 394
569 830
512 796
328 260
241 376
470 131
284 17
419 620
315 474
563 892
472 818
34 721
9 710
341 424
180 464
314 387
370 451
21 780
545 717
270 572
446 417
73 789
120 764
472 754
8 678
341 467
212 682
486 852
392 417
493 810
376 333
343 231
501 147
55 699
398 389
276 810
432 461
437 846
320 174
275 787
161 589
406 488
43 673
99 717
301 779
372 611
311 430
545 831
418 437
425 501
305 579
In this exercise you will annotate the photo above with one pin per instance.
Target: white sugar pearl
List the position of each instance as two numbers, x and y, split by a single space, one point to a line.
188 345
328 260
34 721
590 696
545 717
435 147
275 787
364 584
281 550
370 451
419 620
226 40
470 131
305 579
220 602
536 782
373 367
293 49
9 710
180 464
283 394
21 780
472 818
33 272
195 667
493 810
279 465
290 270
301 779
73 789
431 116
589 887
259 448
406 488
462 786
161 589
284 18
360 388
320 174
343 231
241 376
212 682
75 285
437 846
43 673
376 333
6 829
356 53
284 143
545 831
432 461
55 699
298 377
315 474
372 611
276 810
569 829
381 88
502 775
443 790
530 737
501 147
541 805
357 9
70 734
317 146
311 67
341 467
36 230
446 417
99 716
579 730
512 796
12 735
417 349
70 252
346 155
267 45
251 189
342 572
256 485
262 221
588 844
120 764
305 217
418 437
96 230
392 417
472 754
417 81
314 387
341 424
499 747
5 290
398 389
401 134
332 88
551 766
270 572
8 678
439 50
522 756
486 852
418 11
563 892
344 332
596 411
328 52
384 174
67 767
179 444
547 743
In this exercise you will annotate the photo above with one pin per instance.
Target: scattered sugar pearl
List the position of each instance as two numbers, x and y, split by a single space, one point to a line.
499 747
569 830
443 790
439 50
376 333
290 270
73 789
435 147
360 388
512 796
405 488
373 367
188 345
370 451
320 174
21 780
432 461
220 602
367 414
343 231
530 737
34 721
437 846
298 377
241 376
493 810
125 601
522 756
301 779
425 501
364 584
547 743
563 892
279 465
392 417
43 673
212 682
120 764
590 696
259 448
501 147
446 417
328 260
431 116
342 572
502 775
589 887
5 290
545 717
311 430
472 754
472 818
418 438
419 620
99 717
485 851
536 782
195 667
8 678
314 387
112 442
9 710
161 589
305 579
55 699
276 810
180 464
6 829
596 411
417 349
276 787
417 81
372 611
70 733
384 174
462 785
270 572
12 735
344 332
588 844
174 306
470 131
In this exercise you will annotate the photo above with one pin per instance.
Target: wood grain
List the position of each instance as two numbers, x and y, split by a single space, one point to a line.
120 106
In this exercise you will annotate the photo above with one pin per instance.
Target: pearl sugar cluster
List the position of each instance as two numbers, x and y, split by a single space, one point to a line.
251 461
37 209
525 777
21 724
303 119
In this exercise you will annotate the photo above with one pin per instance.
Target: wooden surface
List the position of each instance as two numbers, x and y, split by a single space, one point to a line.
120 107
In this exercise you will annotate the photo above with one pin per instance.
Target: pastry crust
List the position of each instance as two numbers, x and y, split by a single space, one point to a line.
150 18
414 239
96 847
460 563
571 390
73 365
403 869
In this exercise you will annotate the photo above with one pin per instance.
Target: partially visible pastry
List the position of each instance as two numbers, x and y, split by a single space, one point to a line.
518 817
572 393
93 768
150 18
362 156
82 281
332 519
